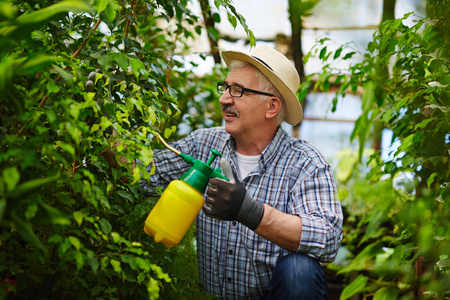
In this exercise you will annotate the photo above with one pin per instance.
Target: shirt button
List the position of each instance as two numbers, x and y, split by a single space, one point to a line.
234 223
230 251
229 279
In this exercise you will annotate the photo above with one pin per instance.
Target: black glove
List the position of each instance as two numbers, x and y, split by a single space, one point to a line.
228 200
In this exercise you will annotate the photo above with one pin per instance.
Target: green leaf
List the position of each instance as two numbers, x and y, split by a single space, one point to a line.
75 242
74 131
35 64
337 53
100 5
115 236
111 10
64 74
386 294
136 66
31 211
11 176
121 60
93 263
355 287
363 124
424 123
160 273
136 175
30 186
322 53
47 13
216 17
363 259
116 266
66 147
78 216
125 195
7 10
54 216
376 217
431 179
143 264
232 20
106 61
105 226
213 33
153 288
349 55
26 231
406 143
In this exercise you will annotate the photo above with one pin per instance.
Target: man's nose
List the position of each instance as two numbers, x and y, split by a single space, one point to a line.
226 98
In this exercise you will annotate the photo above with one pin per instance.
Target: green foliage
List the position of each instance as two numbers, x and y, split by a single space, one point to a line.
70 224
397 226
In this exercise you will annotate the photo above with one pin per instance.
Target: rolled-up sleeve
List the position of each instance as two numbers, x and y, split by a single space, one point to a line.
316 202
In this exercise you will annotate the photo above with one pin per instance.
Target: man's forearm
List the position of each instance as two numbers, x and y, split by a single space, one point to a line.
280 228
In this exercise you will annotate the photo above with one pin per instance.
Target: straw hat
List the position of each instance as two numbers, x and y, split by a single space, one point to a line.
280 71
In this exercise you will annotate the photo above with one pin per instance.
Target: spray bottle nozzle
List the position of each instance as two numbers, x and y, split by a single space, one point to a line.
200 173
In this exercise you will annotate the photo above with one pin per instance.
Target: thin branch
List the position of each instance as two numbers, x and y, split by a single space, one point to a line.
127 28
86 39
19 133
83 164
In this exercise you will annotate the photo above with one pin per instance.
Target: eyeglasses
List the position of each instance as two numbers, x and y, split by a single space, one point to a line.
236 90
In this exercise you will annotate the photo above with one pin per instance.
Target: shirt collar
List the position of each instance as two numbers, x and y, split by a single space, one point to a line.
270 152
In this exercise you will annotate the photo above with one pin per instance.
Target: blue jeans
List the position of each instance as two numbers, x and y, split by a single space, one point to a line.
297 276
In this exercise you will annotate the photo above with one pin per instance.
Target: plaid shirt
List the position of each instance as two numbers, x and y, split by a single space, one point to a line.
291 176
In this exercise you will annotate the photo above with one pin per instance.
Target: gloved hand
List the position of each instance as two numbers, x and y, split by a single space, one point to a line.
228 200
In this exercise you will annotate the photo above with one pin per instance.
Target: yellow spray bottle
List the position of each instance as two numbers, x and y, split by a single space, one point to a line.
182 200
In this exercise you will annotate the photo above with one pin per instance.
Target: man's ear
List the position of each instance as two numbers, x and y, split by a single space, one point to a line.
273 107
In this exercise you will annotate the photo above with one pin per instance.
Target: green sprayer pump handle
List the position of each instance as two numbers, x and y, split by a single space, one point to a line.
216 173
200 172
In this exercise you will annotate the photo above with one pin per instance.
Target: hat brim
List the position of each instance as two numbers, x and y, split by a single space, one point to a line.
294 111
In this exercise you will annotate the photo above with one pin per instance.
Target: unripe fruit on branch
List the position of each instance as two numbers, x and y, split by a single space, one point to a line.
89 86
91 76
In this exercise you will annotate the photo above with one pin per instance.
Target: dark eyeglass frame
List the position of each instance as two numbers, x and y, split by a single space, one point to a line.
243 89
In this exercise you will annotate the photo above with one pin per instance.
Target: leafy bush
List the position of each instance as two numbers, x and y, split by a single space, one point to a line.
69 72
397 226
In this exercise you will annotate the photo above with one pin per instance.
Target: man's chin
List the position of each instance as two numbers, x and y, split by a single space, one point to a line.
230 128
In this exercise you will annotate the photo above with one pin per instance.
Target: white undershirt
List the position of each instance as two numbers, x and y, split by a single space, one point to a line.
246 164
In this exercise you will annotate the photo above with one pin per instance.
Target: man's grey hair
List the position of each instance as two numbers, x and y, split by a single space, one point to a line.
264 86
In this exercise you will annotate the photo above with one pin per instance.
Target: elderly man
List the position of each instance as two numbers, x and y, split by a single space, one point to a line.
263 233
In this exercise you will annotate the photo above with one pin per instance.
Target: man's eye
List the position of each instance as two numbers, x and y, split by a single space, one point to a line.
236 89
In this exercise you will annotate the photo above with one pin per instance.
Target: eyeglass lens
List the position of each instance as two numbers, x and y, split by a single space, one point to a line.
235 90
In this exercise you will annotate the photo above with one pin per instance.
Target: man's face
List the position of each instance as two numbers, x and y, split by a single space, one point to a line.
242 114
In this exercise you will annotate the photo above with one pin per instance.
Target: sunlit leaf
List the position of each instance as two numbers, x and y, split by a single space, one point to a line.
11 176
355 287
386 294
78 216
116 266
53 215
75 242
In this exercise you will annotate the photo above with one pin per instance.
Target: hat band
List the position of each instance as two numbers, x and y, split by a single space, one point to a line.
263 62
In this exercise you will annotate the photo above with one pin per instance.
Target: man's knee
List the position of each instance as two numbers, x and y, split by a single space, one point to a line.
297 266
301 276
